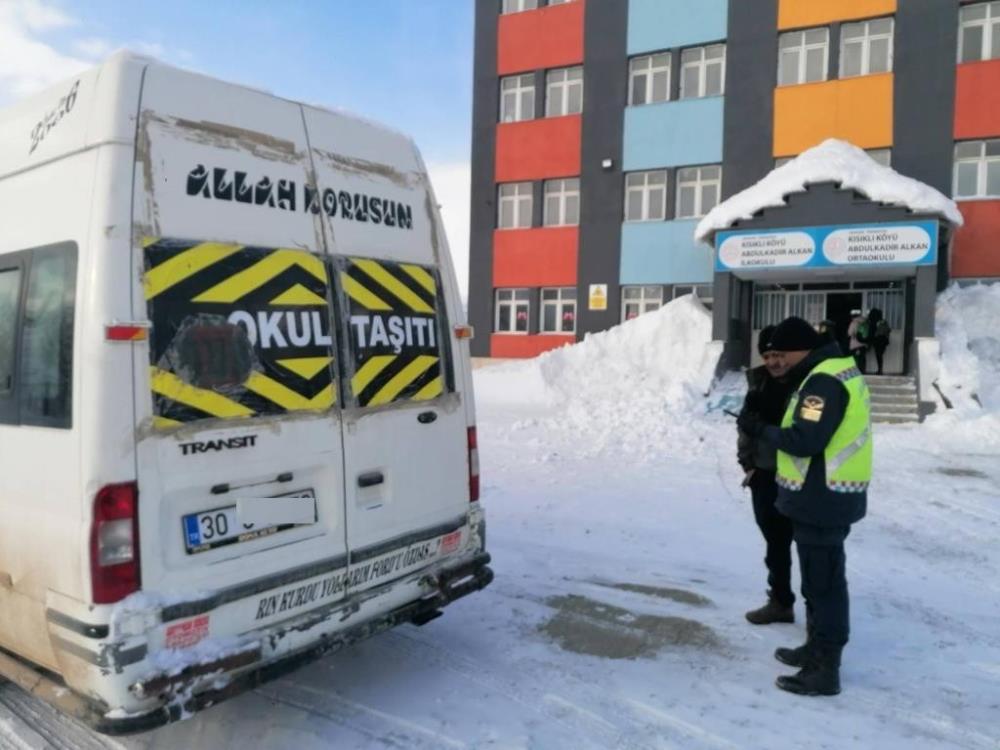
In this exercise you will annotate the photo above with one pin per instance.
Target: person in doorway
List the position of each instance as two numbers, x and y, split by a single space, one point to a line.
824 459
858 344
879 331
767 395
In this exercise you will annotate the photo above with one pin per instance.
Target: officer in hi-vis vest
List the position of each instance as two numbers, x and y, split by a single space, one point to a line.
824 466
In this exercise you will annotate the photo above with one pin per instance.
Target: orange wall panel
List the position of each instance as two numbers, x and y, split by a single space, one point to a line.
858 110
794 14
975 251
535 257
977 99
538 149
521 347
550 37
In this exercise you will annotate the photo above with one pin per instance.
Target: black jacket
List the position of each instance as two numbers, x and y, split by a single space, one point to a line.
815 504
770 402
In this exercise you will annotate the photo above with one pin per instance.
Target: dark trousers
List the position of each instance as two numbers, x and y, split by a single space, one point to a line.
777 531
880 355
824 584
860 357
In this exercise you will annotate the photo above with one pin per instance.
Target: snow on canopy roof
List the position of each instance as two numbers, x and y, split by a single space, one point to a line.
831 161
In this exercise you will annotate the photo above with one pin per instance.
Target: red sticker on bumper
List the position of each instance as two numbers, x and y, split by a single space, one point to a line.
187 633
450 542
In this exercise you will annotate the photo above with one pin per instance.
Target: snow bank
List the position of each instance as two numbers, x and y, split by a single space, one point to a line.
634 388
968 330
831 161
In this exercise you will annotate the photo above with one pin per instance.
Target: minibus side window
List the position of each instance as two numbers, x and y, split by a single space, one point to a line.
46 367
10 291
37 301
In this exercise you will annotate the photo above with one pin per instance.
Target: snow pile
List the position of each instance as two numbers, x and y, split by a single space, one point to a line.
831 161
634 389
968 330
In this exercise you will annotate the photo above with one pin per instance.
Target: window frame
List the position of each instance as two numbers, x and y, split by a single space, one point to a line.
648 72
516 199
560 304
505 6
563 195
802 50
513 304
642 301
563 88
702 64
866 47
700 183
11 406
645 190
990 26
982 162
518 94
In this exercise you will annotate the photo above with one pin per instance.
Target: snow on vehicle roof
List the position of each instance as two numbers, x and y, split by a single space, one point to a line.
831 161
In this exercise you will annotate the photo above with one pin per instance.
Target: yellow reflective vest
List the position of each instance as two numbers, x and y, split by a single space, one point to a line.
848 455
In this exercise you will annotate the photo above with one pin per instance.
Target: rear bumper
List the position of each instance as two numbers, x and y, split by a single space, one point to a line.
167 696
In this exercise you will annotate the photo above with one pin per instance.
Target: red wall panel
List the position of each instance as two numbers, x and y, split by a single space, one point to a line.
977 99
975 251
537 149
535 257
520 347
549 37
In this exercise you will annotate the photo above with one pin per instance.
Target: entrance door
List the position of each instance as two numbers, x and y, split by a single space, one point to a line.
892 303
838 310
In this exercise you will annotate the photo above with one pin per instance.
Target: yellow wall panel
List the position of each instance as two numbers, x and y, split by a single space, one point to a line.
858 110
798 13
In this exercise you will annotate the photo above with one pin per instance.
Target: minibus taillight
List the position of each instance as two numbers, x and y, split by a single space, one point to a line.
114 543
473 466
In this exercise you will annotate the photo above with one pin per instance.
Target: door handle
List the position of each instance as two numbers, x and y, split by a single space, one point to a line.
370 479
426 417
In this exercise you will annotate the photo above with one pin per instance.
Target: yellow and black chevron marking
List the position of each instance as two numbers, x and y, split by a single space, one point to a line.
395 326
237 331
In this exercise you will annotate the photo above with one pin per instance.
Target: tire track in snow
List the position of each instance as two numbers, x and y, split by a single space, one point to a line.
612 735
57 730
350 709
687 729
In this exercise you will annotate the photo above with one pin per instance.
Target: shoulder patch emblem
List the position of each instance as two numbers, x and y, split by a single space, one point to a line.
812 408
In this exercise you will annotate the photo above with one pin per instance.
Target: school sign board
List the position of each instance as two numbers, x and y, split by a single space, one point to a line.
864 245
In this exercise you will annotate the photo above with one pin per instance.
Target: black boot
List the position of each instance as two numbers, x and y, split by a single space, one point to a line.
819 676
797 657
793 657
773 611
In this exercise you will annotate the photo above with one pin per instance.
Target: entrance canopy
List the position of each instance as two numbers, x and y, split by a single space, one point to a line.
833 213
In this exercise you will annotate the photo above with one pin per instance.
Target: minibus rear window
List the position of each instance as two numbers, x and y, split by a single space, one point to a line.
237 331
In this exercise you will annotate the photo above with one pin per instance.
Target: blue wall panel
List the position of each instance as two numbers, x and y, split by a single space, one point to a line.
687 131
664 24
664 252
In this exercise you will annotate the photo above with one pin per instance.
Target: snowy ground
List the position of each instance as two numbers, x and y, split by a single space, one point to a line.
623 571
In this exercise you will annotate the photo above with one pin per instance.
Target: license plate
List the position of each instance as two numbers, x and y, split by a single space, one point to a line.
221 526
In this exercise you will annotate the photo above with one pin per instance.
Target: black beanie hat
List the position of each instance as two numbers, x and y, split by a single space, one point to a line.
795 335
764 340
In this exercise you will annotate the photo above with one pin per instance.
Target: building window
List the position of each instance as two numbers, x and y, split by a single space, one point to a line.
866 48
649 79
516 6
559 310
517 98
646 196
564 92
637 300
979 32
881 155
562 202
703 71
512 308
803 56
514 205
702 291
977 169
698 190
